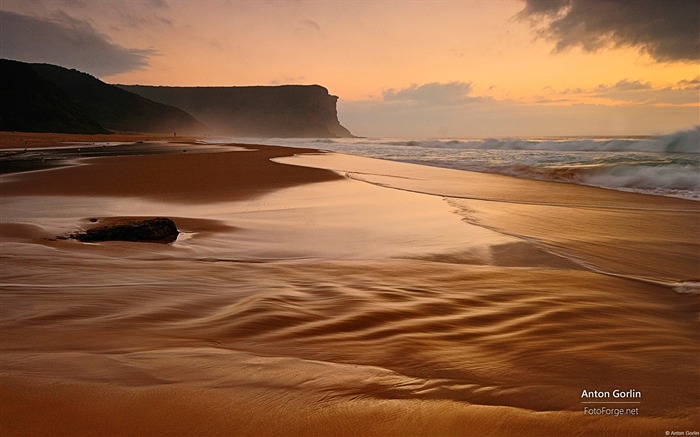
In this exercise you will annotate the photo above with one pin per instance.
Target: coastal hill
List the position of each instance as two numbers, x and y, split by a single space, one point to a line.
255 111
31 103
117 109
49 98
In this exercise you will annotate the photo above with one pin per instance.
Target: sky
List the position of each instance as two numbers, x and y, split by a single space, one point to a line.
419 69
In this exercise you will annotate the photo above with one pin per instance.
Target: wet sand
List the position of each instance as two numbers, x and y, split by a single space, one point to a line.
33 140
342 296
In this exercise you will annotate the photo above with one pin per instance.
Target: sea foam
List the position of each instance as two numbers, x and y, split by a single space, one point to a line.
687 141
667 165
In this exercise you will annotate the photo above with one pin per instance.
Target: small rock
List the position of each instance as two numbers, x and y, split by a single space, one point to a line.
156 230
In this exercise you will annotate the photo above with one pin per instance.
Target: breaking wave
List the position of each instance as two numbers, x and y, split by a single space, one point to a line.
667 165
676 180
687 141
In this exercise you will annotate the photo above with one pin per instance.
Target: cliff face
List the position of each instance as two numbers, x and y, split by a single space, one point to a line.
261 111
49 98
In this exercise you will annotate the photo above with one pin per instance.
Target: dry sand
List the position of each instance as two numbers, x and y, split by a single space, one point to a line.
379 299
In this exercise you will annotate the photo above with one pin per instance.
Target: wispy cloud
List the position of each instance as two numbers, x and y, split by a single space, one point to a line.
68 42
626 85
434 93
627 91
308 26
668 30
690 83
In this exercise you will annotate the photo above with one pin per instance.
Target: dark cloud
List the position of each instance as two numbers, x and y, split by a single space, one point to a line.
120 14
669 30
433 93
68 42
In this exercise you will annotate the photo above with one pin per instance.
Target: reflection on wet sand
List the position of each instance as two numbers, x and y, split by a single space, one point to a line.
310 304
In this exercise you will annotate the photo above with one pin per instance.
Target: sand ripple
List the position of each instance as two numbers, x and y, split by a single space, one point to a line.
344 308
516 337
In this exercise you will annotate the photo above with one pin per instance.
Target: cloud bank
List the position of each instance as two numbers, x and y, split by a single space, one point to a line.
433 93
443 110
666 29
68 42
627 91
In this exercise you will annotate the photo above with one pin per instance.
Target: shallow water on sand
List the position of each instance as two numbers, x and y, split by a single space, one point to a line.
353 307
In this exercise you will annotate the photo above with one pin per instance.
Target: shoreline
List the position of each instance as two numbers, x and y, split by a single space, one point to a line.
158 172
320 294
659 170
76 146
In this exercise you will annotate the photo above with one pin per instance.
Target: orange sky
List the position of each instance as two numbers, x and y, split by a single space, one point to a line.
366 52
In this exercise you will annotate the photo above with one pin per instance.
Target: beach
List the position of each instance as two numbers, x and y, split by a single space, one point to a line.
321 294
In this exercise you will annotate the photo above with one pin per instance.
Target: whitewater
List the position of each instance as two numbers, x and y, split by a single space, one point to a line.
667 165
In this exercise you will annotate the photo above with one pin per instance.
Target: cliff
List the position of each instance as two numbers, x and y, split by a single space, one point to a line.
49 98
259 111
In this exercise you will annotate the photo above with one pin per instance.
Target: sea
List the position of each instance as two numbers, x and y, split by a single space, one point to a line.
665 165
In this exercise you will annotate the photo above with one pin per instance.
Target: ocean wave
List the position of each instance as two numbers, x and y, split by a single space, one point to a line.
667 165
687 141
688 288
670 177
675 180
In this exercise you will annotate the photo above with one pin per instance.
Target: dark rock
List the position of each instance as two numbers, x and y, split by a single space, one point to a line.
156 230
